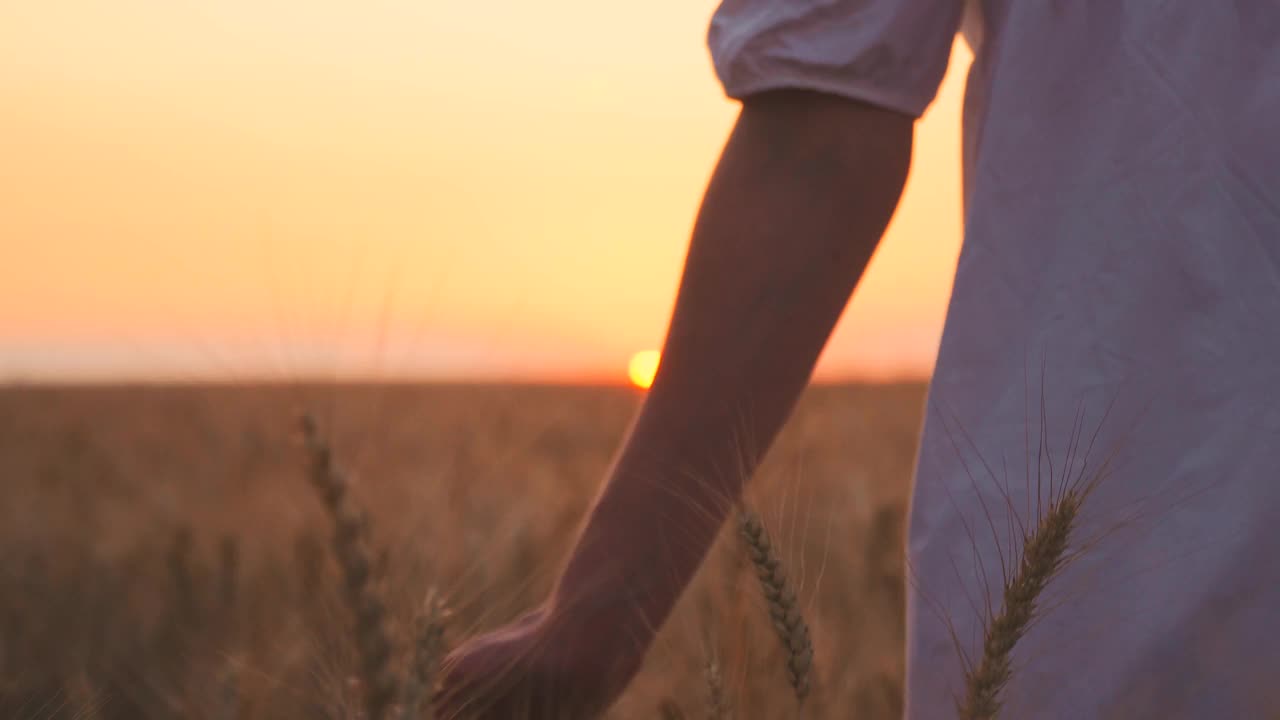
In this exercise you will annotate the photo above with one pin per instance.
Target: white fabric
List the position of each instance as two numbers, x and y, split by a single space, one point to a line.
890 53
1122 251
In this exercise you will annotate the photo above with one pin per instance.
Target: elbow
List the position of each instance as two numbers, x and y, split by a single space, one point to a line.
828 134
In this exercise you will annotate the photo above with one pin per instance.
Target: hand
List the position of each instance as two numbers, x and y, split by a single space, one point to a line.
537 667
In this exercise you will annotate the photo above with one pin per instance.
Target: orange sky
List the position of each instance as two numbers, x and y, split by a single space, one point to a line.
502 189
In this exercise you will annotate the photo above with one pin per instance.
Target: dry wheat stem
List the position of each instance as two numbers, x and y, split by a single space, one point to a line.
1043 554
784 610
378 683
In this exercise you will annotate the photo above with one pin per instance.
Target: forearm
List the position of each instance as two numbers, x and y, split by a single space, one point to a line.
802 194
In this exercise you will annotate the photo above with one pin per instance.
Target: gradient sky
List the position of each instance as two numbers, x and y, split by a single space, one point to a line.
223 190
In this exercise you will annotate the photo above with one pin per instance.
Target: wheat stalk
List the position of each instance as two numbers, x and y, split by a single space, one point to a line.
229 572
783 607
428 648
669 709
378 683
182 574
717 708
1043 555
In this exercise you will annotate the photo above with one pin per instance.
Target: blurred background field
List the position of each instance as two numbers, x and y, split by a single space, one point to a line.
162 554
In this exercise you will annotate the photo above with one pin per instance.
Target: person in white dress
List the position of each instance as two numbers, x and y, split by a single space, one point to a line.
1117 292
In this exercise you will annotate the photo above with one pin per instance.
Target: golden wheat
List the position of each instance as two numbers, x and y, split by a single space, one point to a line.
784 610
427 650
281 651
717 707
377 681
1043 554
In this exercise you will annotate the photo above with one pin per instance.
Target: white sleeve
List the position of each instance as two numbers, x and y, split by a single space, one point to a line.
891 53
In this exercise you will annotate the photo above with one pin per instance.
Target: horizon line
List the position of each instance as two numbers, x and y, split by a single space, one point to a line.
102 382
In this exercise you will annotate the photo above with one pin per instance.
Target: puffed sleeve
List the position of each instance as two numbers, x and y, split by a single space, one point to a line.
891 53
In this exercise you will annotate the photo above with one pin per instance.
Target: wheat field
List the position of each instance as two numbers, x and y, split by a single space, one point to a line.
165 556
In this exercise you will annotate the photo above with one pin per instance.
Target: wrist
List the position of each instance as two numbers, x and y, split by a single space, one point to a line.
612 620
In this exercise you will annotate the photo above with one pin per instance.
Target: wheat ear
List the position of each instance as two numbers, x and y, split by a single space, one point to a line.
783 607
717 708
1043 554
427 650
371 637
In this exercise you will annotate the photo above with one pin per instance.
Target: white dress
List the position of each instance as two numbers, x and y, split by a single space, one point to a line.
1121 261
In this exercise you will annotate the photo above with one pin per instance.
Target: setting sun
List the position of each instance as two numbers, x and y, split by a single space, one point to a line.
643 366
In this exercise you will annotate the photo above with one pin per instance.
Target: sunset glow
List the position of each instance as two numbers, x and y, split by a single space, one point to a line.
499 190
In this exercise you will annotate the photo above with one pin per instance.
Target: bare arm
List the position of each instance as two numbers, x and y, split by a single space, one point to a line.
798 203
802 193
